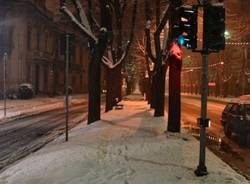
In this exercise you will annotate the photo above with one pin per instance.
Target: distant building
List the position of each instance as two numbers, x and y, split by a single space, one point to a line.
30 34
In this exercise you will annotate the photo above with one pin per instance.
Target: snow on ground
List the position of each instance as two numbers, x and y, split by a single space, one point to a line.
127 146
35 105
210 98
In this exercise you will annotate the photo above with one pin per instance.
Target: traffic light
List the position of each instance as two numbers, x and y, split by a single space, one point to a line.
185 27
214 27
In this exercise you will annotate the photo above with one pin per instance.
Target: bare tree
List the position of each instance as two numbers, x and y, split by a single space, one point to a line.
237 24
115 53
167 54
148 65
98 46
118 50
159 72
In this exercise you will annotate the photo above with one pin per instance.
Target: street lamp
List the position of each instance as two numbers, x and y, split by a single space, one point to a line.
187 60
227 35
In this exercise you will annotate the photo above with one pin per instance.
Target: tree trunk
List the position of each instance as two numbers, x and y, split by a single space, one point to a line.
174 107
119 87
117 84
113 88
149 88
153 92
110 90
129 87
108 104
148 80
160 91
94 88
94 79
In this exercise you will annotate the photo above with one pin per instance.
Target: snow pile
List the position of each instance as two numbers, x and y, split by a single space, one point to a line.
128 146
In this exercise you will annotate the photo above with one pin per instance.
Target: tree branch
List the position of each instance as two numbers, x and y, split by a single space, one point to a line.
148 42
128 44
92 19
124 5
106 61
158 32
66 11
157 12
141 47
131 35
147 31
82 14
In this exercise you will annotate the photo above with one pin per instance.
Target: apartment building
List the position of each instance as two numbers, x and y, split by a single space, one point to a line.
30 34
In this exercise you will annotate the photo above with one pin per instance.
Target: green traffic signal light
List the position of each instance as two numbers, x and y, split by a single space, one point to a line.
187 26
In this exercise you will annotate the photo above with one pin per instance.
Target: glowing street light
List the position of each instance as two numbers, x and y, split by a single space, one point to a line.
227 35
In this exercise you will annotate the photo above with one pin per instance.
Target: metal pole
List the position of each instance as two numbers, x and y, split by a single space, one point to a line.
203 120
67 85
4 81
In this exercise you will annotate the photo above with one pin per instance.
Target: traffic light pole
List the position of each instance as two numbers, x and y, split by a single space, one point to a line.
4 80
185 26
67 86
203 120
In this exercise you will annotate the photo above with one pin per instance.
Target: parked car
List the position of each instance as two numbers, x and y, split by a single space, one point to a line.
236 119
25 91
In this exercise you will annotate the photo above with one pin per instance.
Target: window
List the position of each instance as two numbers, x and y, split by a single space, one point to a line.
81 79
29 38
46 73
57 43
28 73
234 109
62 44
81 55
38 40
228 107
241 110
46 42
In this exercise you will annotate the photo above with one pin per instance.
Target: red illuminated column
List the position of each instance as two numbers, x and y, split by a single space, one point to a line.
175 63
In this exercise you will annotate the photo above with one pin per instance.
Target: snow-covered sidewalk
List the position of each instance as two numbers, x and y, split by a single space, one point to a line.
20 108
127 146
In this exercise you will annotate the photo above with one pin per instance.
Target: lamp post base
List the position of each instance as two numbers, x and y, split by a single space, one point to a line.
201 171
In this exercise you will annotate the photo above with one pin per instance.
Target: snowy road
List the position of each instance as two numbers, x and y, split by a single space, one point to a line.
128 146
229 150
191 111
23 136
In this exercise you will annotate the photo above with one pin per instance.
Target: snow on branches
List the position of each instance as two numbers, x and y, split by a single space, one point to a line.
82 22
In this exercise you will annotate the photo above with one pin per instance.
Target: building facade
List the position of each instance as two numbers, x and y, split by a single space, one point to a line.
30 34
